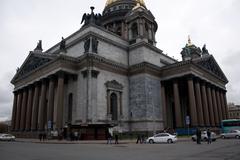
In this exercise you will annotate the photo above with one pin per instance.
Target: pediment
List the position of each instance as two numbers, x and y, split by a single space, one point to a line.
209 63
32 63
114 85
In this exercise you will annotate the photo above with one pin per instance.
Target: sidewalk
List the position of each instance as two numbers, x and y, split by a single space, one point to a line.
23 140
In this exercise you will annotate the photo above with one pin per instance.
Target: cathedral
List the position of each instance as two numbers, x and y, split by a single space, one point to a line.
110 75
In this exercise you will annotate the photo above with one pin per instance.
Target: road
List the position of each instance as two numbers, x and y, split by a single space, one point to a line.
186 150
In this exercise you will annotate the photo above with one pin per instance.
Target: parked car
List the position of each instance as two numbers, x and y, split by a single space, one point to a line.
162 138
204 136
7 137
231 134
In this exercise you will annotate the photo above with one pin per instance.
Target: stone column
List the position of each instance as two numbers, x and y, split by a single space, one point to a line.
42 106
60 100
223 105
199 104
35 107
210 106
164 106
192 103
23 110
19 103
216 116
14 111
29 109
219 106
50 107
205 104
177 106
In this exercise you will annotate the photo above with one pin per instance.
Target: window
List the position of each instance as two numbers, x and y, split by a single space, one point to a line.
114 106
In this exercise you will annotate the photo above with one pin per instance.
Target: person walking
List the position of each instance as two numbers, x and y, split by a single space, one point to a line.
116 138
209 136
40 136
109 138
138 139
198 134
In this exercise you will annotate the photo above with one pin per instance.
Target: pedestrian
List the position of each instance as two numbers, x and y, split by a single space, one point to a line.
209 136
198 134
116 138
138 139
109 138
142 139
44 136
40 136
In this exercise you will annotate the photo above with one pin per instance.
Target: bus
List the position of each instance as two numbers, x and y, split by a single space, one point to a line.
230 124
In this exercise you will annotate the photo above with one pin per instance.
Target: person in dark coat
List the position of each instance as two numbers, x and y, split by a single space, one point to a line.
198 134
116 138
40 136
138 139
109 138
209 136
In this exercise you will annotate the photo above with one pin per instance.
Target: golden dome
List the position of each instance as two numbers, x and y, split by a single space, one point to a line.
109 2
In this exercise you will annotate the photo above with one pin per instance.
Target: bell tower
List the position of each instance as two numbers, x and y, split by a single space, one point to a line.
141 25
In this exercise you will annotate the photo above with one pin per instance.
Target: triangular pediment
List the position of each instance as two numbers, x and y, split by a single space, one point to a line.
32 63
209 63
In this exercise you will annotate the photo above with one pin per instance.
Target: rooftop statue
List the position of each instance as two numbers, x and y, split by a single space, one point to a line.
63 45
91 18
204 50
39 46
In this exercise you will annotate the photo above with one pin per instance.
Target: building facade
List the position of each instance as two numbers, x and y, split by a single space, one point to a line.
110 74
233 111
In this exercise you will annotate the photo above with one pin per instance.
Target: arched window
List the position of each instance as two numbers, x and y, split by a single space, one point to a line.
114 106
134 30
70 103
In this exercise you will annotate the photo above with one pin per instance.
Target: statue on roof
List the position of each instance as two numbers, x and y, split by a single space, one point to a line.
63 45
91 18
204 50
39 46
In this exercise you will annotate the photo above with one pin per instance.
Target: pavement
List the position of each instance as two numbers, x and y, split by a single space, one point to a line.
133 141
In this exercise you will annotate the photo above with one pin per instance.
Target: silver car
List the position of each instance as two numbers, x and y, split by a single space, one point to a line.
162 138
231 134
7 137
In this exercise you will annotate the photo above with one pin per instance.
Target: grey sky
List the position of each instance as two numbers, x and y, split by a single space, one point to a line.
214 22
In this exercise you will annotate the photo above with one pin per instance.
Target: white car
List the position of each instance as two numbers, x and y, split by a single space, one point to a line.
7 137
162 138
231 134
204 136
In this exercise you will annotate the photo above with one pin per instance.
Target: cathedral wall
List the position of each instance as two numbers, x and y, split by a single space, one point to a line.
112 52
145 102
101 91
76 50
70 88
144 54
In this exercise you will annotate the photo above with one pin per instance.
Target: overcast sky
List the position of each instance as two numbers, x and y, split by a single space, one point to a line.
214 22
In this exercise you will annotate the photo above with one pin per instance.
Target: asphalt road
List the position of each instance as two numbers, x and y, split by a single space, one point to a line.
187 150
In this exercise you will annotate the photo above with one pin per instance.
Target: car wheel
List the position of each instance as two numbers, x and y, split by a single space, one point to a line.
169 141
237 136
193 139
205 139
223 137
151 141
